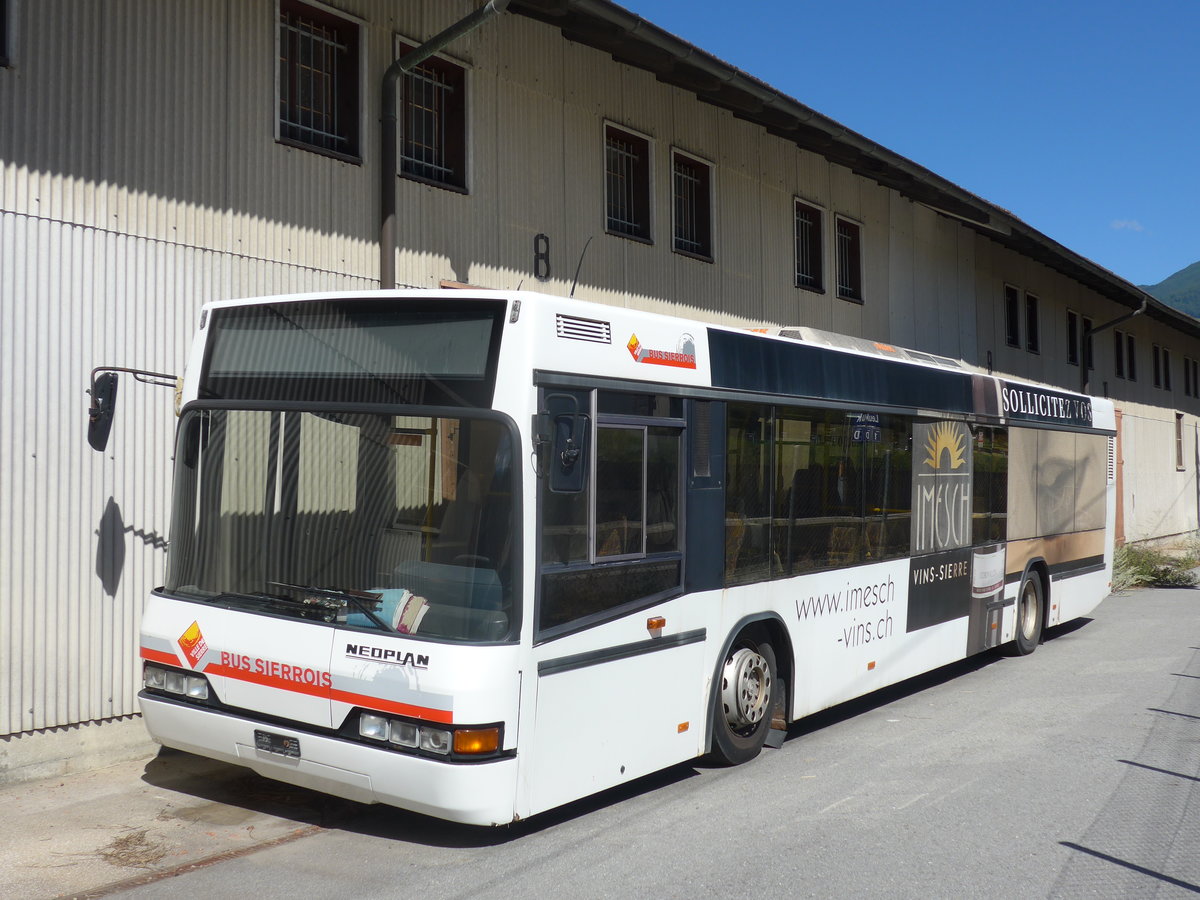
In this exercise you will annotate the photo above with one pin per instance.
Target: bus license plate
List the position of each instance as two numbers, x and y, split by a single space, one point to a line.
277 743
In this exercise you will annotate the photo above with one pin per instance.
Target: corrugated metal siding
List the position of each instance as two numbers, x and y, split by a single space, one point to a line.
82 534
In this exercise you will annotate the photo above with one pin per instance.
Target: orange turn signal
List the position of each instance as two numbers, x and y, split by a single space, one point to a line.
656 623
476 740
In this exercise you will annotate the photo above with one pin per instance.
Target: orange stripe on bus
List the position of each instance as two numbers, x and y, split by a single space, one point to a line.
443 716
160 656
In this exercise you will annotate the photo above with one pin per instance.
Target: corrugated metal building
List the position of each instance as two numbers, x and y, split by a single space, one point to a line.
155 156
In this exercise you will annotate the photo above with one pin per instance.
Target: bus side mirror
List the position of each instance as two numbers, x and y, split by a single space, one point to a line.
100 413
562 436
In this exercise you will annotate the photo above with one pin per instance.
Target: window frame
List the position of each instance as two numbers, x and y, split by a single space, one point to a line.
816 250
640 199
1130 357
1179 466
1119 353
649 558
455 147
852 267
706 200
351 77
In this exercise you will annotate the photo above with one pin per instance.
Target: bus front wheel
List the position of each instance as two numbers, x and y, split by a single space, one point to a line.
1029 615
744 698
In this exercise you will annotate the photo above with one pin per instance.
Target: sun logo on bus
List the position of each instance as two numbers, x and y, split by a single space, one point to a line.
945 438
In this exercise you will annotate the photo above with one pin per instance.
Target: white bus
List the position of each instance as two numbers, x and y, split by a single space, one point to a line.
479 554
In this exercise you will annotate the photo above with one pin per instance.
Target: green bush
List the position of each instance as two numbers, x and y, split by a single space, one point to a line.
1144 567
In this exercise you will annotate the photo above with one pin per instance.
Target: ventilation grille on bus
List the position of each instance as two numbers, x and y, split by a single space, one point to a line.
575 329
1112 460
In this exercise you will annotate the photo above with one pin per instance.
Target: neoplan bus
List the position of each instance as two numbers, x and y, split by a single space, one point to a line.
480 554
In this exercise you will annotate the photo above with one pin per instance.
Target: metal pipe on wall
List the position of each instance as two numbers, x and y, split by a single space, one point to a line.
389 162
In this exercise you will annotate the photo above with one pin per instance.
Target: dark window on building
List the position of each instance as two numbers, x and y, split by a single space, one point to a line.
1012 316
1088 357
809 249
4 57
1190 386
1072 338
849 260
692 190
1119 354
433 123
626 183
1166 369
1130 358
318 80
1032 336
1157 356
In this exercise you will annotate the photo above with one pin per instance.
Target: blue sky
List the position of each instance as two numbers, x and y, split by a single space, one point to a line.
1082 119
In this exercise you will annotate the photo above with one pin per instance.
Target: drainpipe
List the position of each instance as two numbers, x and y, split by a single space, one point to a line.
1084 386
388 163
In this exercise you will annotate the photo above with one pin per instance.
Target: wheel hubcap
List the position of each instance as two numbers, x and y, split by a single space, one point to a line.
745 688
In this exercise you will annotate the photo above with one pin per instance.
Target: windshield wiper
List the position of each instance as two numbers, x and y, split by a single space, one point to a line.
333 601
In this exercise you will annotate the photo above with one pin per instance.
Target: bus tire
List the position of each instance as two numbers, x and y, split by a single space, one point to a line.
743 700
1030 615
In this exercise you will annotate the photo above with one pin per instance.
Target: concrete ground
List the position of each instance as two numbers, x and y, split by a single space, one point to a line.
94 833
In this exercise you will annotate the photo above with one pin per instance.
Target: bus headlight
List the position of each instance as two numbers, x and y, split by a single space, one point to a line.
374 727
444 742
172 681
435 740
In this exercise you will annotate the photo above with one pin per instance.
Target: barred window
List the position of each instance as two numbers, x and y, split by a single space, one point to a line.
318 80
692 189
433 123
849 260
626 183
809 251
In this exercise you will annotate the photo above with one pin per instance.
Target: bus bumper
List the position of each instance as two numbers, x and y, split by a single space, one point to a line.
474 794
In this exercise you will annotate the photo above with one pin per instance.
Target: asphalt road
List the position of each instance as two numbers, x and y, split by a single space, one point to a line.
1074 772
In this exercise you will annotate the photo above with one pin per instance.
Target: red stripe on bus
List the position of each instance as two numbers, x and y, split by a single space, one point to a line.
160 656
442 716
272 681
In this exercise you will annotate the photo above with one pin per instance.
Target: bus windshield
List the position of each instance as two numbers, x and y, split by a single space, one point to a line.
402 523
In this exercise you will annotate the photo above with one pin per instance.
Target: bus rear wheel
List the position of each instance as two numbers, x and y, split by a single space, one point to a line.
1029 615
744 698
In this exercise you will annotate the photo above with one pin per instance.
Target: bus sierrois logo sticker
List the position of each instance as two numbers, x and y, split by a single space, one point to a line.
683 357
193 644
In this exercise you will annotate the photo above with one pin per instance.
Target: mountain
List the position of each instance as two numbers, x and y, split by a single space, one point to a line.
1181 290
